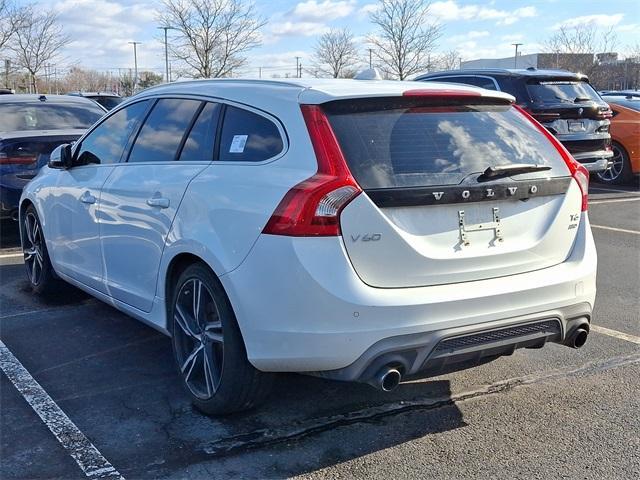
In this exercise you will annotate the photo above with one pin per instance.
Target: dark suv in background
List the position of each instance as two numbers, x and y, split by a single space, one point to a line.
564 102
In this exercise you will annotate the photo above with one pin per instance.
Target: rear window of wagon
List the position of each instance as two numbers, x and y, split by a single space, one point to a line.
397 142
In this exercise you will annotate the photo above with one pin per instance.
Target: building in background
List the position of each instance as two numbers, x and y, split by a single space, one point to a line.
606 71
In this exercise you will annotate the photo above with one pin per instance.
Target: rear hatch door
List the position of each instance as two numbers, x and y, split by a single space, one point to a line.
429 215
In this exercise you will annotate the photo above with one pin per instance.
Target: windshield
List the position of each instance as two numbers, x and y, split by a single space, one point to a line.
392 143
633 104
47 116
562 91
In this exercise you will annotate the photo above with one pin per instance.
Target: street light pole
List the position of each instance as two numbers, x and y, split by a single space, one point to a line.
515 57
166 53
135 64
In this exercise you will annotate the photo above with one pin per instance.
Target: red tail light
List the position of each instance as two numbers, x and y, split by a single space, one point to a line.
312 207
20 160
578 171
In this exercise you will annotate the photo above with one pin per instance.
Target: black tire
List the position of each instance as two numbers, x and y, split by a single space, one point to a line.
224 382
42 278
620 172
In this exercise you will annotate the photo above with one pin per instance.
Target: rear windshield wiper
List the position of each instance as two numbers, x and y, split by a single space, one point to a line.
498 171
581 99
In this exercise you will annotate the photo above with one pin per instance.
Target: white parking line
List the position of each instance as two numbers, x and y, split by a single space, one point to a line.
619 200
12 255
616 334
601 189
613 229
86 455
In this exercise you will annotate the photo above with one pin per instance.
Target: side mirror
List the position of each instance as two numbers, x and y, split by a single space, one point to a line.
61 157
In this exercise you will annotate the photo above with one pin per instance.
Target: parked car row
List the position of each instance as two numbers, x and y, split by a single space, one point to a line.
360 231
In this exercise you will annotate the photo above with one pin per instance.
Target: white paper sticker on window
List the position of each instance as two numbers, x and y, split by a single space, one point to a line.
238 143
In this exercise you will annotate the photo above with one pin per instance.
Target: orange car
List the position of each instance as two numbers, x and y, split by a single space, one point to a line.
625 136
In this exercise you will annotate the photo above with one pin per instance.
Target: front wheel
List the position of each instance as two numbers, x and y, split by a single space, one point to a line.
208 346
619 171
36 257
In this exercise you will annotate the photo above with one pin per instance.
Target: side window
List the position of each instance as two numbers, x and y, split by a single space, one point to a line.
108 140
201 139
248 137
161 135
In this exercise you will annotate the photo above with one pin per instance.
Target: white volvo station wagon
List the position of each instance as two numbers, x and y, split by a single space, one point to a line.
365 231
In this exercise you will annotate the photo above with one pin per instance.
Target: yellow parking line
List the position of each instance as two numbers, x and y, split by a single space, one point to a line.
616 334
613 229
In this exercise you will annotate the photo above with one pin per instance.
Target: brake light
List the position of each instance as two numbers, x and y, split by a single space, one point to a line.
17 160
447 93
578 171
608 113
312 207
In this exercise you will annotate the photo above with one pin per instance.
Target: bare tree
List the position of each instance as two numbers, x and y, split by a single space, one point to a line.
10 20
212 35
405 38
336 54
583 41
37 41
449 60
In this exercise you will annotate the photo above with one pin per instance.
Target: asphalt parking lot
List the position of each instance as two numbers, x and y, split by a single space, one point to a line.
550 413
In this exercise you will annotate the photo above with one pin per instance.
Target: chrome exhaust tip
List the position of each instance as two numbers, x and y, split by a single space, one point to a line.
387 379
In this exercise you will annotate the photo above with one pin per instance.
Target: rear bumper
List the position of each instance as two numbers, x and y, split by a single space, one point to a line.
302 308
594 161
451 348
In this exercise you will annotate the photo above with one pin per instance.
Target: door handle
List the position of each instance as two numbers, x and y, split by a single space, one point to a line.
158 202
88 198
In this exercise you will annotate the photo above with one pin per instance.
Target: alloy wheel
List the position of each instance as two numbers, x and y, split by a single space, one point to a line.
33 248
616 167
198 338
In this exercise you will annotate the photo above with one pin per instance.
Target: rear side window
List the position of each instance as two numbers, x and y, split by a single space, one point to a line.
482 82
162 132
106 143
561 91
392 143
199 144
248 137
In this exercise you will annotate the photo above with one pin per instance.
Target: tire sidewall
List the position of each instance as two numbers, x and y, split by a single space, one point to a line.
47 280
234 353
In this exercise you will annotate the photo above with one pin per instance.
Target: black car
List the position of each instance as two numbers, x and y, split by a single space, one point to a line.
31 126
564 102
106 99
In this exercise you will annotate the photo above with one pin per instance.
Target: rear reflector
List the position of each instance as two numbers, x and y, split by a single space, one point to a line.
312 208
578 171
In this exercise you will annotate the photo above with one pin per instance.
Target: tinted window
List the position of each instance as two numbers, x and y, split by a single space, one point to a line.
248 137
109 102
199 144
47 116
106 143
481 82
162 132
561 91
405 143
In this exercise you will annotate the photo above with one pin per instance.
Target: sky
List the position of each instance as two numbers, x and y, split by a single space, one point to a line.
101 29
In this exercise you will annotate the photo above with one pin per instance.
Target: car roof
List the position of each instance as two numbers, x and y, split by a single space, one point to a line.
509 72
42 98
306 90
94 94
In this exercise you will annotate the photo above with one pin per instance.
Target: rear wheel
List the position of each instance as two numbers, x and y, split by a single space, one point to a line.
208 346
620 170
36 257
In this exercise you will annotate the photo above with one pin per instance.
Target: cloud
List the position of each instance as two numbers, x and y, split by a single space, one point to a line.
101 29
306 29
597 20
449 10
318 12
